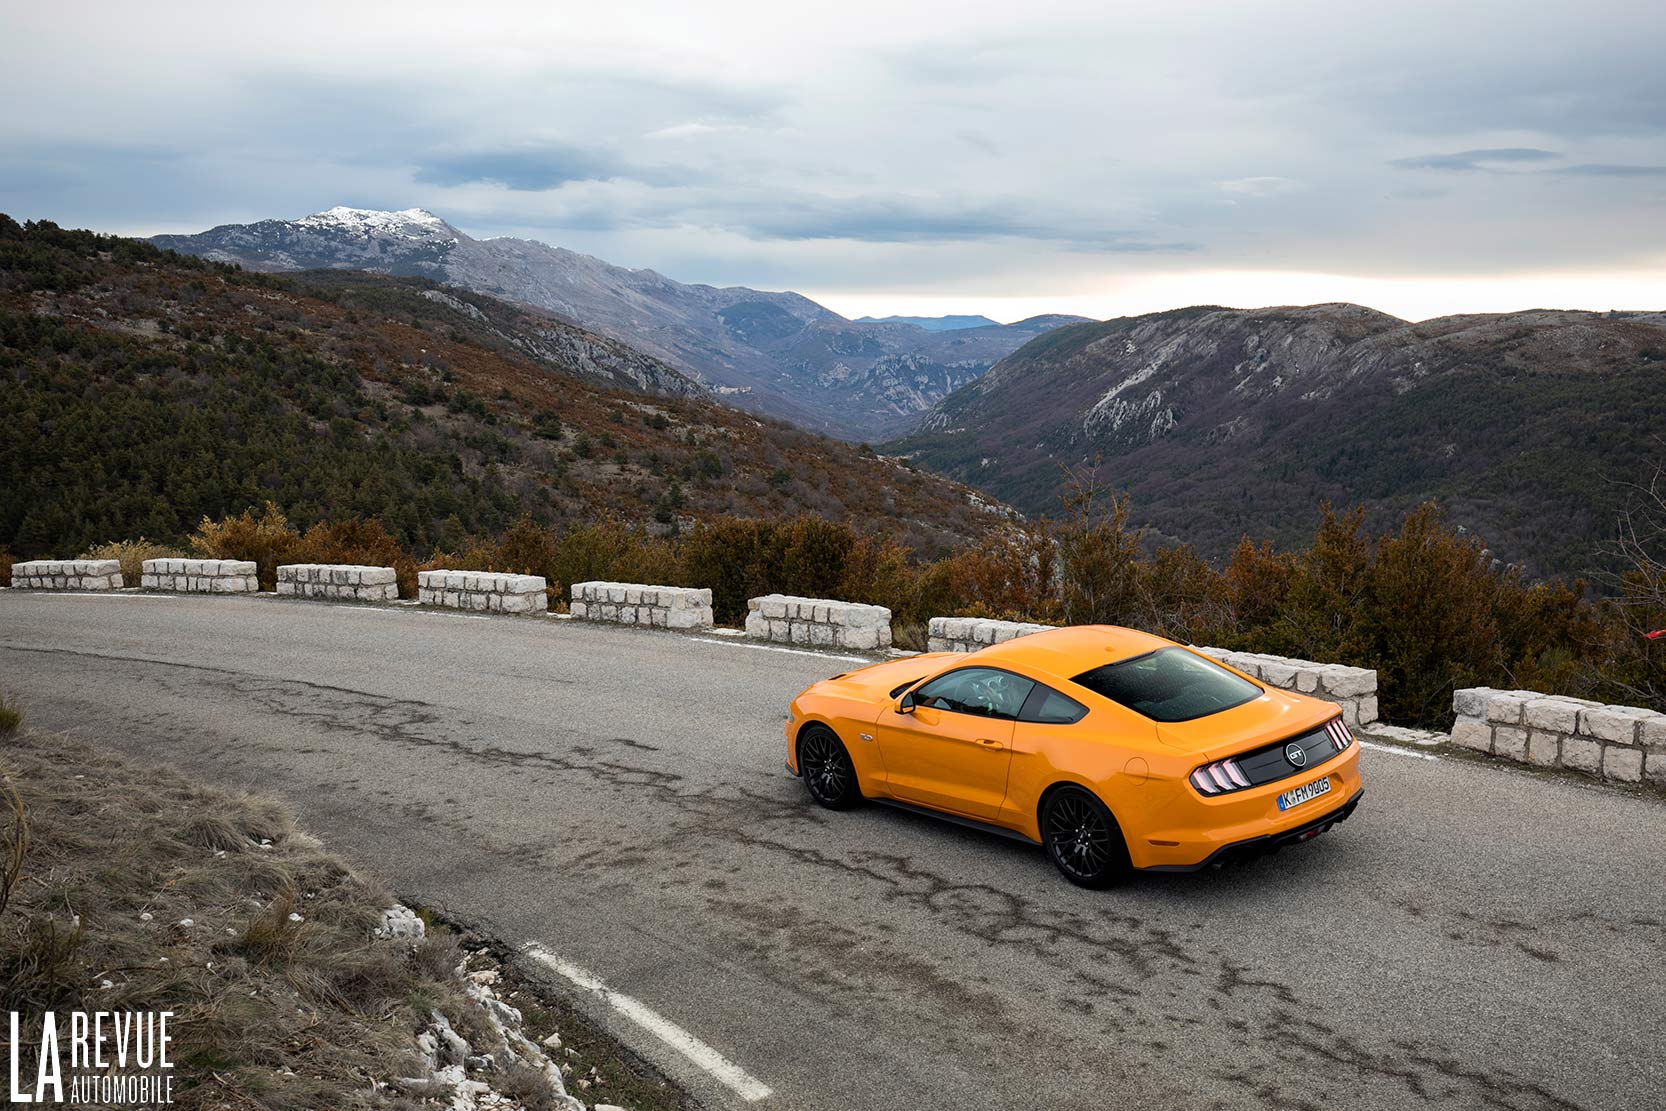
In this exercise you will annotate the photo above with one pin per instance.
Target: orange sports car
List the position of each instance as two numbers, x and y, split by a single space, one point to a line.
1112 748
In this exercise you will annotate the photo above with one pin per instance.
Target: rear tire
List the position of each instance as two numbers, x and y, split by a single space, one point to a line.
826 769
1082 838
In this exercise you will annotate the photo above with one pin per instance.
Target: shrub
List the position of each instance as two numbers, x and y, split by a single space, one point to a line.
11 716
360 541
6 561
1315 619
268 540
736 557
1429 619
1099 575
132 555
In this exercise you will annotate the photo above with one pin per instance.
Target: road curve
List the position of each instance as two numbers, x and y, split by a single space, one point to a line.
1477 936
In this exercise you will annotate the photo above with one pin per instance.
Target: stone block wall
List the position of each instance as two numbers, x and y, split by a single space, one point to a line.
200 576
968 634
482 591
1624 743
661 607
1352 688
340 581
67 574
818 622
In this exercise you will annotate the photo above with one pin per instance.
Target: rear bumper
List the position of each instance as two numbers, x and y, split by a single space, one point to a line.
1252 847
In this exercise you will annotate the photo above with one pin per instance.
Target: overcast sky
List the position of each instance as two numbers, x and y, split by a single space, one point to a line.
896 157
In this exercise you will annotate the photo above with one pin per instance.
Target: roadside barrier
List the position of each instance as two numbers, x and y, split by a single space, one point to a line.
340 581
1352 688
67 574
662 607
200 576
968 634
485 591
1622 743
818 622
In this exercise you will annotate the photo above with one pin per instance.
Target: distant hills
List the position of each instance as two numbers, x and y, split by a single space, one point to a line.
1222 422
146 390
776 353
933 323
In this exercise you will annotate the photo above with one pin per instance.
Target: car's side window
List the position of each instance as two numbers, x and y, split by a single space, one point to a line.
1047 706
983 691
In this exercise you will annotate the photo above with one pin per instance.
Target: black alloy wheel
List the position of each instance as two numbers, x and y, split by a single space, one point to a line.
826 768
1082 838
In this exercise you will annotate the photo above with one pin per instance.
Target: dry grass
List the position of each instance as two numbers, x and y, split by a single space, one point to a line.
132 555
272 1011
134 889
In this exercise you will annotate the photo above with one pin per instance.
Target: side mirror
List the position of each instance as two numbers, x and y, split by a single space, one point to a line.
906 706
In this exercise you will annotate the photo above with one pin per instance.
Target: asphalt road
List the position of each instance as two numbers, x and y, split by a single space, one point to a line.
1477 936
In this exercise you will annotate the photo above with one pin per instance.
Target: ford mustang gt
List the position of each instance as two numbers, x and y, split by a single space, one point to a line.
1113 749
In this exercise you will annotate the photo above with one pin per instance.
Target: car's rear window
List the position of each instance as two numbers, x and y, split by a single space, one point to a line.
1170 684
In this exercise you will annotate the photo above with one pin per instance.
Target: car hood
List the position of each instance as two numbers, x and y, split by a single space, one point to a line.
1273 716
875 682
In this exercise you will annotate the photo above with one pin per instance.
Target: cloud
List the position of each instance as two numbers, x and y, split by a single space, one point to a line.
1609 169
694 129
539 168
1486 160
1261 186
1027 148
914 219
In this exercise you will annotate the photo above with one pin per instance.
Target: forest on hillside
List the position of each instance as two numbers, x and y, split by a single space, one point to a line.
146 390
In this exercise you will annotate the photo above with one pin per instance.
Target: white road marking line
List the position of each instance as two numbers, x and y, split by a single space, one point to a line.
100 594
1397 750
743 1083
396 608
778 648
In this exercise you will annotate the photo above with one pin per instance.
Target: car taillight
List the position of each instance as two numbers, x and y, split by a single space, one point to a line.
1220 777
1340 736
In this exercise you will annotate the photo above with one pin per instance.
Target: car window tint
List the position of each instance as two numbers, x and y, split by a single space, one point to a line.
983 691
1170 684
1048 707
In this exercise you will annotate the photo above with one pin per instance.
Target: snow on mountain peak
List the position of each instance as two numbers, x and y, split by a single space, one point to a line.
367 220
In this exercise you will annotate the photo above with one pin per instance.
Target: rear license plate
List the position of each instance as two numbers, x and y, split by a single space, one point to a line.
1307 792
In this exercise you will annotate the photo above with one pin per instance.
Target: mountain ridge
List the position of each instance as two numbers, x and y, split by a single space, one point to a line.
1223 422
774 352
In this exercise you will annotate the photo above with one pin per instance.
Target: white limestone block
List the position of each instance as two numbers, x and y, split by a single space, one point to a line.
1612 723
1472 734
1582 754
1624 765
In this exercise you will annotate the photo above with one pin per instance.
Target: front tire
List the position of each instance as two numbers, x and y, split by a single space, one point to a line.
1082 838
826 769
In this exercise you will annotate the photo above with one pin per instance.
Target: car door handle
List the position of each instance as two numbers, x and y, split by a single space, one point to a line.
990 742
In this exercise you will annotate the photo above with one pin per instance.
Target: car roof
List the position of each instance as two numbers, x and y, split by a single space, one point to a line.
1068 652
